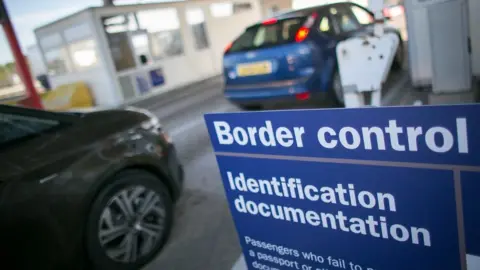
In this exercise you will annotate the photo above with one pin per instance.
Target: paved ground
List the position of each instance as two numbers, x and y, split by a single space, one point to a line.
204 235
17 91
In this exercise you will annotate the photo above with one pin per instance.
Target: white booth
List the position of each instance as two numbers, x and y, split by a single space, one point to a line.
35 59
126 53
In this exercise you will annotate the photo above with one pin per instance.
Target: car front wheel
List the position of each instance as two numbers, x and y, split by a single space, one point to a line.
129 222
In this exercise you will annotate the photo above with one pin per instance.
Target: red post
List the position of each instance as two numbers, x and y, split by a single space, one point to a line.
22 66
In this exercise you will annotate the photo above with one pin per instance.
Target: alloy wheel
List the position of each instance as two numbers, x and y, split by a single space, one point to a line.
131 224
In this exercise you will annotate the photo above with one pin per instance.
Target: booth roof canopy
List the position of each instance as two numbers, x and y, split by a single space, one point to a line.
121 7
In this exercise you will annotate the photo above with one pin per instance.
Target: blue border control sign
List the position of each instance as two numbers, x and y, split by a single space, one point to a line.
358 189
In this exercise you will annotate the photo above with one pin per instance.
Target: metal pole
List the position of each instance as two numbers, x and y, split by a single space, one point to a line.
20 62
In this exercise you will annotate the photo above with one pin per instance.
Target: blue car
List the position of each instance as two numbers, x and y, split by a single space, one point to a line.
292 58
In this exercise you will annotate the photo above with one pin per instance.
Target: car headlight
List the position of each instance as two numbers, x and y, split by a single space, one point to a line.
166 137
153 125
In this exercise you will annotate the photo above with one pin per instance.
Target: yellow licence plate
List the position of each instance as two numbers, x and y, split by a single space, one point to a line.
259 68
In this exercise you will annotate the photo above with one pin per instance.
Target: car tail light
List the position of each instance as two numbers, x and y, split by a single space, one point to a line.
303 96
227 48
270 21
303 32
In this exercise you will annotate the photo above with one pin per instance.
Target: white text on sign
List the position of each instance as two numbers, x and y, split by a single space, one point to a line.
368 138
292 187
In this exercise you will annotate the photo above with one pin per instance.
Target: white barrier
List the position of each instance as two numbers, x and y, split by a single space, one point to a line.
364 63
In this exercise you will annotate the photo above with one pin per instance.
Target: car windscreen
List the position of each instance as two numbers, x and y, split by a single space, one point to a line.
268 35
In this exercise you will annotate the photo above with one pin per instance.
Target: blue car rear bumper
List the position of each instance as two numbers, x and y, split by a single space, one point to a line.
283 91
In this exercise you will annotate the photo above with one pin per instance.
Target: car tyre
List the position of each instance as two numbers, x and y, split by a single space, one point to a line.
251 107
398 61
336 91
129 222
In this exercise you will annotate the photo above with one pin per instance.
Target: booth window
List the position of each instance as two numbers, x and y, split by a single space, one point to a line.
221 9
56 55
128 89
120 23
117 29
57 61
77 32
163 29
226 9
196 20
51 41
239 7
81 46
84 54
141 47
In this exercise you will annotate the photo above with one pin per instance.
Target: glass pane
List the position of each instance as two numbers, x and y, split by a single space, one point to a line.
57 62
121 52
363 17
240 7
261 36
128 89
195 16
77 32
347 23
117 29
344 18
158 19
120 23
54 40
196 20
143 83
163 29
141 47
325 25
221 9
84 54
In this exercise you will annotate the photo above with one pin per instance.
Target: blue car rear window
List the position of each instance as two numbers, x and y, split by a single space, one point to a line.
268 35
